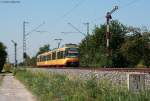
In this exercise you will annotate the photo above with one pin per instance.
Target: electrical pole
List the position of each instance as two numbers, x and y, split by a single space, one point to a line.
76 29
108 18
88 24
59 41
87 47
15 46
24 37
24 40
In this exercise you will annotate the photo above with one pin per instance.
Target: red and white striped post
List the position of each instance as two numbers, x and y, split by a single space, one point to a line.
108 18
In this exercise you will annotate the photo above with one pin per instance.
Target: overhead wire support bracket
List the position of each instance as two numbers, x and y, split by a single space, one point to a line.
35 28
76 29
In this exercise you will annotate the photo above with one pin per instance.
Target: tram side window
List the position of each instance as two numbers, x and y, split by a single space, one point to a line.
53 55
40 58
64 54
37 59
58 55
49 57
61 55
45 58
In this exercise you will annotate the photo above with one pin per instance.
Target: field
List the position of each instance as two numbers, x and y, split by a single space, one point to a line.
56 87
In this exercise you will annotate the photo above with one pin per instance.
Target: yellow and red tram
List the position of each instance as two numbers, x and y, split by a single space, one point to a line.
68 56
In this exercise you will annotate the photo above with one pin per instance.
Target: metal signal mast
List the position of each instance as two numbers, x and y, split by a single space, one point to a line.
108 18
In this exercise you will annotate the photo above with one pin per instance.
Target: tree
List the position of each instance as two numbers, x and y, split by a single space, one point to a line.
96 48
132 50
3 55
135 49
118 32
129 46
91 47
43 49
30 61
146 57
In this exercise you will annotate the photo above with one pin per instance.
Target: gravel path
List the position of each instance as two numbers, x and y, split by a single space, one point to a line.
12 90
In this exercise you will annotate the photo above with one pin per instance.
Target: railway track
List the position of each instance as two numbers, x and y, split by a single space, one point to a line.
141 70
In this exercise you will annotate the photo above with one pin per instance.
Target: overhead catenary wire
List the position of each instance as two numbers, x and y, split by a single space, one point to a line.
130 3
76 6
35 29
120 8
101 17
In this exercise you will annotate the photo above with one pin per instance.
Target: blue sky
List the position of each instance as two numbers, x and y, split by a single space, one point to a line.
57 13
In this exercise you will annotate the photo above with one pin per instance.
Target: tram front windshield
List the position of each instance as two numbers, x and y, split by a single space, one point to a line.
72 53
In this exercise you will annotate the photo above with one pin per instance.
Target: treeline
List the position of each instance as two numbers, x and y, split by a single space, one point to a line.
31 61
130 47
3 55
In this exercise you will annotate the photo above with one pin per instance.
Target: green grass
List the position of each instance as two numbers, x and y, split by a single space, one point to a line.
1 79
56 87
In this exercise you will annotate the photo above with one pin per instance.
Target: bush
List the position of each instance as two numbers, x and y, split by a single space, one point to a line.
7 67
3 55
